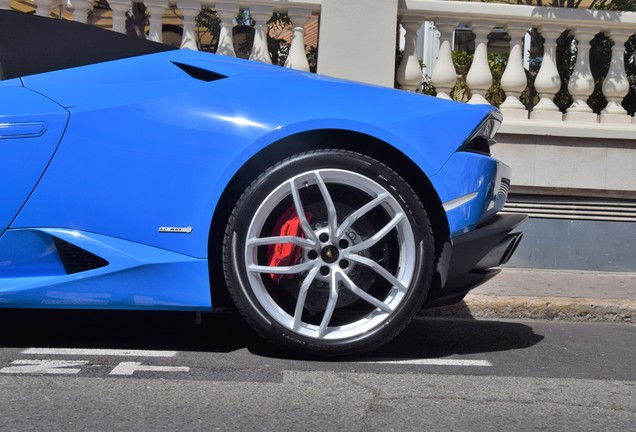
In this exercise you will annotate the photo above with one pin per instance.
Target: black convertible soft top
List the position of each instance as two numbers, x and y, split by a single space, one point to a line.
31 44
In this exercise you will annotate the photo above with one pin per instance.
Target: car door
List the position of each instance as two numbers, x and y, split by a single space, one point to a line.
31 126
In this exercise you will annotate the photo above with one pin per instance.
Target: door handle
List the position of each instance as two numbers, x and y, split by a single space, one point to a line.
22 130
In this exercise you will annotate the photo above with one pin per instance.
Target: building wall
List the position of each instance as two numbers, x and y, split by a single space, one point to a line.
598 165
581 197
576 245
360 56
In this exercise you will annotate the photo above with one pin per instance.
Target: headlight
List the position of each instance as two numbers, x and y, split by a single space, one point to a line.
483 137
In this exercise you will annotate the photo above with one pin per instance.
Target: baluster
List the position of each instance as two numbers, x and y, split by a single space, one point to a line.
226 12
581 83
548 81
615 87
479 78
261 14
156 9
444 75
409 74
44 8
514 80
119 8
297 58
80 9
189 9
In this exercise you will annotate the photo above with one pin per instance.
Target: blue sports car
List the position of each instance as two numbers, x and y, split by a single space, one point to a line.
328 213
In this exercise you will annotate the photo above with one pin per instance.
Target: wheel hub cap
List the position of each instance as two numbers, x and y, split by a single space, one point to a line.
329 254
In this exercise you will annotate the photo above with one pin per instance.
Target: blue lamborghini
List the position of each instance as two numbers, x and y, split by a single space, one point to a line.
328 213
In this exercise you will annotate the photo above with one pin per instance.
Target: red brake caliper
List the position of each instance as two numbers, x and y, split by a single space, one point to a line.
285 254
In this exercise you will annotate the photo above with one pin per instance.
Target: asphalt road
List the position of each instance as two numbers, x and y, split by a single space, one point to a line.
161 371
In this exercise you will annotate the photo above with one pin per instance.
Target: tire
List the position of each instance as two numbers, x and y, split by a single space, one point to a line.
328 253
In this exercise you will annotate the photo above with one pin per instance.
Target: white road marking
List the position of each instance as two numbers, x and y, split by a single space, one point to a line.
128 368
57 367
434 362
38 366
99 352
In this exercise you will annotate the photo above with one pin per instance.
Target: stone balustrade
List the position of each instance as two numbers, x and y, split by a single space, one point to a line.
551 23
260 11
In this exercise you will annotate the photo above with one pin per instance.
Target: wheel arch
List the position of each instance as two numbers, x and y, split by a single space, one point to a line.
315 140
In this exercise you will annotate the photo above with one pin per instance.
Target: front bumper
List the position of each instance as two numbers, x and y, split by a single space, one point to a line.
466 260
472 188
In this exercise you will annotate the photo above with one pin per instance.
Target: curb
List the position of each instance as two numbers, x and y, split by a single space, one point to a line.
545 308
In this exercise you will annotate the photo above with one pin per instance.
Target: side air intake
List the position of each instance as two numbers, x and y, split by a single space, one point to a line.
199 73
75 259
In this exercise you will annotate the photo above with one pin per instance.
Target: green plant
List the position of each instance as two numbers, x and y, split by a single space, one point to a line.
208 29
277 46
497 64
462 61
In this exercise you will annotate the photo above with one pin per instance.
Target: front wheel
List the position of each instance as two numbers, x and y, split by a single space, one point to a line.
328 253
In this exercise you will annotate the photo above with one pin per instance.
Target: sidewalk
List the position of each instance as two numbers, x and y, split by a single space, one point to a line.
550 294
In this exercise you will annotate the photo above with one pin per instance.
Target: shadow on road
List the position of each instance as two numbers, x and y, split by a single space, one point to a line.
424 338
441 337
124 330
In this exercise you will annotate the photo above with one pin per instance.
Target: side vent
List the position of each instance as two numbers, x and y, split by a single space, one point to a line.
198 73
504 188
75 259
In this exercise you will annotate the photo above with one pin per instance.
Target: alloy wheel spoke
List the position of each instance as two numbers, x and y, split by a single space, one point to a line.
353 217
331 305
351 285
366 244
379 270
302 295
294 269
332 218
300 211
264 241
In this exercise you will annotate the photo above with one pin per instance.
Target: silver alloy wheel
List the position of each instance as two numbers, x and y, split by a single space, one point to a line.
328 257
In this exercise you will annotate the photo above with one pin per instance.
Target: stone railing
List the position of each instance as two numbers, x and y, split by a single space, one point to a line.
517 21
260 11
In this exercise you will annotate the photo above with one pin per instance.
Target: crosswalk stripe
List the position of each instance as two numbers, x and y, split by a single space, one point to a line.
434 362
99 352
